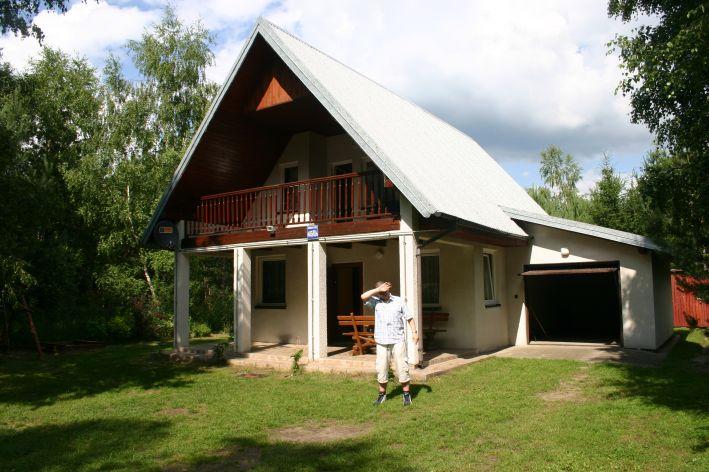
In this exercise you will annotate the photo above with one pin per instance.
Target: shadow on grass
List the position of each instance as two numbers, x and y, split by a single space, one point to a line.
245 453
25 380
96 444
679 384
415 390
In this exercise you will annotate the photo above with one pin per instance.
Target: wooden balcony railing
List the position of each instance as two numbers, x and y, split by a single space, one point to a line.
348 197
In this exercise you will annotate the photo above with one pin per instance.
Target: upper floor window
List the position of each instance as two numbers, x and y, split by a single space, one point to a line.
430 279
489 280
290 174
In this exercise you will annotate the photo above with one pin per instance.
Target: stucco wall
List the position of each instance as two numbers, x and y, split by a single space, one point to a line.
285 325
636 278
662 285
315 155
386 268
471 324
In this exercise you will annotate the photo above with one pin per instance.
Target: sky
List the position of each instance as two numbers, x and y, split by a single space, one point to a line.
517 76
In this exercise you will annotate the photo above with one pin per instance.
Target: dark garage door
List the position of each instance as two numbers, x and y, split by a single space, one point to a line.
574 302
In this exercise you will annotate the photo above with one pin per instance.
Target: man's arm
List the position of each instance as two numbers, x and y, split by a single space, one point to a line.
414 332
370 293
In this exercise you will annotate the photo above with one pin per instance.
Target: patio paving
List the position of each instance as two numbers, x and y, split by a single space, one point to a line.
589 353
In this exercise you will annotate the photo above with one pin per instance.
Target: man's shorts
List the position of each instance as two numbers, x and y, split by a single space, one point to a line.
384 354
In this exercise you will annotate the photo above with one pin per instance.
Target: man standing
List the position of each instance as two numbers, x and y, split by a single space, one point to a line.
390 316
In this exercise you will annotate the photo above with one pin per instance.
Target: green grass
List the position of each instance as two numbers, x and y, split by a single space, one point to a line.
123 408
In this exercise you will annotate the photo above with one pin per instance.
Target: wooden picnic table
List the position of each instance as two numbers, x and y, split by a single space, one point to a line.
429 330
361 329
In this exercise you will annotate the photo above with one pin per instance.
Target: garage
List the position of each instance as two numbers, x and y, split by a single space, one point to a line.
574 302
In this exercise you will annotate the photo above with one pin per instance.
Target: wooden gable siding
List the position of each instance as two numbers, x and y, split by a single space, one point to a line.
276 87
241 144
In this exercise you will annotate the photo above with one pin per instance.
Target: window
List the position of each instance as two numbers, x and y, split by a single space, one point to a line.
489 280
430 279
290 174
273 281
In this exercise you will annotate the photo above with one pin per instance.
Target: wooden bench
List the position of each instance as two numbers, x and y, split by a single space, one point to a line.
361 328
429 329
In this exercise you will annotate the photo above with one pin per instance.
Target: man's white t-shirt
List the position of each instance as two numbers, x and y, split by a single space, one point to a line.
389 319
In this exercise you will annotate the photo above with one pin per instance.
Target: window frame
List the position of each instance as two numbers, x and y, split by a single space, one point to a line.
491 278
431 253
260 279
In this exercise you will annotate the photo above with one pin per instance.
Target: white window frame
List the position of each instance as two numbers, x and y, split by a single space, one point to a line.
490 255
259 281
429 253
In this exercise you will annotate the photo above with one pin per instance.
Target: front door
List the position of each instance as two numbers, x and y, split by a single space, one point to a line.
344 287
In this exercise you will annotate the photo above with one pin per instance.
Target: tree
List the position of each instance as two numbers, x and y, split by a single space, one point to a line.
560 197
47 116
16 15
606 198
666 66
145 127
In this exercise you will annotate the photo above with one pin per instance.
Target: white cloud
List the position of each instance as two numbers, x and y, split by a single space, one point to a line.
516 75
88 29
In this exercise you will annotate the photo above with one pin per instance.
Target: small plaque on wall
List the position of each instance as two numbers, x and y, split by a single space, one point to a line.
312 232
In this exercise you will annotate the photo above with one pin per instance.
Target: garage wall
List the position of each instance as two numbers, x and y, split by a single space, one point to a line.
662 284
636 277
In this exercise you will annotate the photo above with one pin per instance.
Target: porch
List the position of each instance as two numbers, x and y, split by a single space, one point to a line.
339 359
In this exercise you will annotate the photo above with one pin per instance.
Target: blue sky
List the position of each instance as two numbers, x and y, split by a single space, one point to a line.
515 75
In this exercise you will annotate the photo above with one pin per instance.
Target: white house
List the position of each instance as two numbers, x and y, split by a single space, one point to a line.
297 144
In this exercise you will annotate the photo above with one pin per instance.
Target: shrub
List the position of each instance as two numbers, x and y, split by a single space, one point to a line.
199 329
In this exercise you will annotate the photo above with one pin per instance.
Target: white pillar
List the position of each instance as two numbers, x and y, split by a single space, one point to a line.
410 282
182 301
242 299
317 300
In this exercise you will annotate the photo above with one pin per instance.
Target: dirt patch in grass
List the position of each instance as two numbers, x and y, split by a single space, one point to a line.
320 432
251 375
174 411
230 458
568 391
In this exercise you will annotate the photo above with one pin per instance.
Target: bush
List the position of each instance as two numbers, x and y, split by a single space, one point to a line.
199 329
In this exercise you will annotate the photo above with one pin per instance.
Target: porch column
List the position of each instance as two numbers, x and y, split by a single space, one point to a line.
182 301
410 283
242 299
317 300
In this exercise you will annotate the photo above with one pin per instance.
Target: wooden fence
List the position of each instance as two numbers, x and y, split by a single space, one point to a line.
687 307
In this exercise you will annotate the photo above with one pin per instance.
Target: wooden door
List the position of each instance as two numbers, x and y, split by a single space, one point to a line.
344 287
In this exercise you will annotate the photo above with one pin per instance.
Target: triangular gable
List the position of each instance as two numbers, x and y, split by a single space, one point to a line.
440 170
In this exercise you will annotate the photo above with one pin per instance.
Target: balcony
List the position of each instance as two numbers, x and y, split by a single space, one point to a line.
353 198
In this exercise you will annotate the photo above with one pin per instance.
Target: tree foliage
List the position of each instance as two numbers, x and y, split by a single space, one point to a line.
16 15
84 161
666 65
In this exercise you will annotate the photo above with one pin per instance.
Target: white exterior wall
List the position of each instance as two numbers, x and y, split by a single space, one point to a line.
315 156
662 286
289 324
471 324
636 279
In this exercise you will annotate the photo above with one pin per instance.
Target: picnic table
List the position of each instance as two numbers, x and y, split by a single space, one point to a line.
361 329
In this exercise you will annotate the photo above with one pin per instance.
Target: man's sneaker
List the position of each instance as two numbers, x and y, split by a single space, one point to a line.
380 399
407 399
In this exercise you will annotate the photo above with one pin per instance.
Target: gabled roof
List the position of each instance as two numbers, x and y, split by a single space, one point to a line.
438 168
583 228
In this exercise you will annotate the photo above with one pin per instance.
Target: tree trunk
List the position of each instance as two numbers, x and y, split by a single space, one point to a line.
32 328
6 331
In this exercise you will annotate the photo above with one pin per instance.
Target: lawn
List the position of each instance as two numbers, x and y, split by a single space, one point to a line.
122 407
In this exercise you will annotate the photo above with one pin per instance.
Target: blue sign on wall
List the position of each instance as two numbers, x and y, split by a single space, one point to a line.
312 232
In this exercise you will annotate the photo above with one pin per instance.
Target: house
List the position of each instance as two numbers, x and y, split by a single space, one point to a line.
319 182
